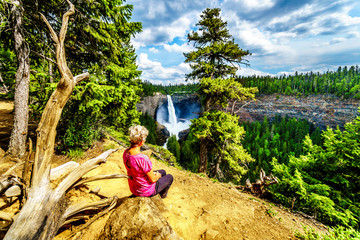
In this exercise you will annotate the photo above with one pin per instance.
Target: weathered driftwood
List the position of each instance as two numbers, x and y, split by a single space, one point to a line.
138 218
63 170
258 188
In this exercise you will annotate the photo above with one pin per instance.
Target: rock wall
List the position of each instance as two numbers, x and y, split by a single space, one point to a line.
322 110
150 104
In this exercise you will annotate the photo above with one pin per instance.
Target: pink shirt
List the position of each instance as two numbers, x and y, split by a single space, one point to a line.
137 166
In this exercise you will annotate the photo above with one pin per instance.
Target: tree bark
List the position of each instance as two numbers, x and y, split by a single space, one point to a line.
19 132
203 156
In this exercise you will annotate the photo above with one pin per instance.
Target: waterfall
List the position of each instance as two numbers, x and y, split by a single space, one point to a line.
172 116
166 115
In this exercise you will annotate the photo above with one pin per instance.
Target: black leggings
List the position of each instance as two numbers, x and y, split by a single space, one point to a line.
163 184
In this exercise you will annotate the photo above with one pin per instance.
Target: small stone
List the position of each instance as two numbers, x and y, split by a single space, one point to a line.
211 234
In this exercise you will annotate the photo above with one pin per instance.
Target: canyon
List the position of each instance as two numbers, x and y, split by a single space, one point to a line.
321 110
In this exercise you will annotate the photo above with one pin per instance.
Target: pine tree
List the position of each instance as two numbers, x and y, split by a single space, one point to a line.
214 64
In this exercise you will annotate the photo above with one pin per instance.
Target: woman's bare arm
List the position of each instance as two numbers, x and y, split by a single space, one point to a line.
153 176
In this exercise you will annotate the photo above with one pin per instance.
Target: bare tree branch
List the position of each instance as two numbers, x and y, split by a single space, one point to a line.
43 56
100 177
53 34
81 77
84 168
83 206
244 106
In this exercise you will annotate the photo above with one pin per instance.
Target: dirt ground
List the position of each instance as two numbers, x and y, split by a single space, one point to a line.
6 122
196 207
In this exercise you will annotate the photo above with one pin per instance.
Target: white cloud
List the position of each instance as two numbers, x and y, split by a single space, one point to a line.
157 35
251 72
184 48
248 5
283 36
154 72
154 50
258 4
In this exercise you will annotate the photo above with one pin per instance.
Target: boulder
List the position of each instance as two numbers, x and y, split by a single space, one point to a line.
183 135
162 134
138 218
149 104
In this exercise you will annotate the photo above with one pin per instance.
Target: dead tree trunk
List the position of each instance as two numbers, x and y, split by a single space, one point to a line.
258 188
17 143
45 210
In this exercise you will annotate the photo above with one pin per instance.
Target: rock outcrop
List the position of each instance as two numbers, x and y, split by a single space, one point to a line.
322 110
139 218
162 134
150 104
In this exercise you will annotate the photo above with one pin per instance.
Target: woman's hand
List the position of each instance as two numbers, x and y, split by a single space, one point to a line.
153 176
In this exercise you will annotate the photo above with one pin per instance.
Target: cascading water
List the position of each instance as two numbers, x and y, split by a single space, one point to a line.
173 123
172 116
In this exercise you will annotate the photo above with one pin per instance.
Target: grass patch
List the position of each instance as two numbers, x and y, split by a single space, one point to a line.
336 233
75 154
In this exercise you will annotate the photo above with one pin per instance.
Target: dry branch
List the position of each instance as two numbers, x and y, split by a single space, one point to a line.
100 177
77 232
258 188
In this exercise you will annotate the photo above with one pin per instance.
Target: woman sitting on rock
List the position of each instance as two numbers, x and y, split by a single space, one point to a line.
143 181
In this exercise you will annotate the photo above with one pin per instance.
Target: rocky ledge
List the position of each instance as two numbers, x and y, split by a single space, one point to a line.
322 110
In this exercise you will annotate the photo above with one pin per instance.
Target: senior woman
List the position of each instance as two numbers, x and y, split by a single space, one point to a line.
143 180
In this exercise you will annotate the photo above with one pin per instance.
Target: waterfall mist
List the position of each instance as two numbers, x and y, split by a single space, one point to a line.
176 116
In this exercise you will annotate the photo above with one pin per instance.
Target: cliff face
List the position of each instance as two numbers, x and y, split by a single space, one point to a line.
150 104
322 110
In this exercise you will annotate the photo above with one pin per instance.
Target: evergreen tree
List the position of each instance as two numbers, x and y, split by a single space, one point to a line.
214 64
174 147
325 180
223 135
98 40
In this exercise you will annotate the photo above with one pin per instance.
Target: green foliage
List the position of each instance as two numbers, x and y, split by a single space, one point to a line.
337 233
342 83
216 52
75 153
150 124
167 156
190 153
325 180
150 89
223 135
218 92
7 69
97 103
97 40
173 146
280 138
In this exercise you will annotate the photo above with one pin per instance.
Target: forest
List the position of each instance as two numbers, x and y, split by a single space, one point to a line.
342 83
150 89
318 171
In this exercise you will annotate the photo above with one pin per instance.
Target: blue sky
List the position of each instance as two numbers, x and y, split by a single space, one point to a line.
283 36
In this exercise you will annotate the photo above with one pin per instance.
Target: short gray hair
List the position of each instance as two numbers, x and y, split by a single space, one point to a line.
137 134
